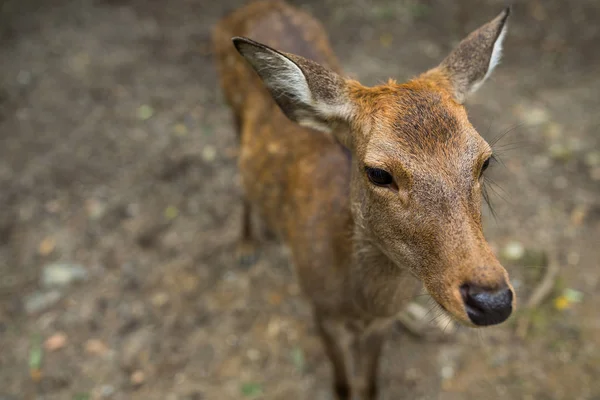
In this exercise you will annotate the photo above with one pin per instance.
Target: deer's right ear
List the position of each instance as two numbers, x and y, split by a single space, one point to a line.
476 56
306 92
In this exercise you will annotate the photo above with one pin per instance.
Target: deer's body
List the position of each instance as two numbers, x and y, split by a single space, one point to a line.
357 250
296 178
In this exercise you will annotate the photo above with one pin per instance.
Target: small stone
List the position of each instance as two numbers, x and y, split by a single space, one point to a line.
573 258
96 347
95 209
24 77
536 116
412 374
160 299
560 182
53 206
136 349
107 391
55 342
41 301
138 377
62 274
253 354
274 327
294 289
513 251
209 153
447 372
592 159
553 131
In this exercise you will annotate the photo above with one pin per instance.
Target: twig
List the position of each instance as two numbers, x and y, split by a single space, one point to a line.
540 293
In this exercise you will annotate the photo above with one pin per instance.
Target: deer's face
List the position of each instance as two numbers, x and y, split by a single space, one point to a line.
417 163
417 192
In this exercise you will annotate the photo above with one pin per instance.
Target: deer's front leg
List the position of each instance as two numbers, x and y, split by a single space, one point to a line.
334 339
367 354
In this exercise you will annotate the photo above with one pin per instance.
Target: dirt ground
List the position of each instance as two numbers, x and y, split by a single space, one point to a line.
117 157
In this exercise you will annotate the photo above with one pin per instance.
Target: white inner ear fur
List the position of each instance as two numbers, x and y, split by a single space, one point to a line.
494 59
286 77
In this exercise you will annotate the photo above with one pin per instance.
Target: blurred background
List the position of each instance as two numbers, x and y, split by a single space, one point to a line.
120 207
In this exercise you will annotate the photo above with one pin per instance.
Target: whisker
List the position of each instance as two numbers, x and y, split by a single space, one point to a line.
486 198
499 137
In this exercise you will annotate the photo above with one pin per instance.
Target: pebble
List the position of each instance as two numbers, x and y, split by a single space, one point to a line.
209 153
560 182
96 347
592 159
55 342
95 209
41 301
63 274
138 377
160 299
513 251
134 347
536 116
447 372
107 390
24 78
573 258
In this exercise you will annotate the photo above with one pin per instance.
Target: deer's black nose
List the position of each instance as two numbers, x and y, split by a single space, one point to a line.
487 306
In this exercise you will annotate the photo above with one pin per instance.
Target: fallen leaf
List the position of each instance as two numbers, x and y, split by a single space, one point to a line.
275 298
47 246
561 303
297 356
574 296
171 212
386 40
36 355
567 299
578 215
251 389
145 112
180 130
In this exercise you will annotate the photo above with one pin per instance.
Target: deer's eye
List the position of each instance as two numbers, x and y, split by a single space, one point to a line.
485 165
379 177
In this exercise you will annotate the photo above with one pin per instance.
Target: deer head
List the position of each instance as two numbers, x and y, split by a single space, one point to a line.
416 184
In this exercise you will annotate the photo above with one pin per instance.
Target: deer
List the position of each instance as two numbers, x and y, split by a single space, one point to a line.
376 191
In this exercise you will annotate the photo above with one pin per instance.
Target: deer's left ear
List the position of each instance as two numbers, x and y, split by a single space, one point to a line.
473 60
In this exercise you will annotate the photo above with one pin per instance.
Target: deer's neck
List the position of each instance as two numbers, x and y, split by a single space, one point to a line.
379 287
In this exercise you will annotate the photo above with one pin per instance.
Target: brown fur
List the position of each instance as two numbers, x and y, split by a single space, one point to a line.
359 250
